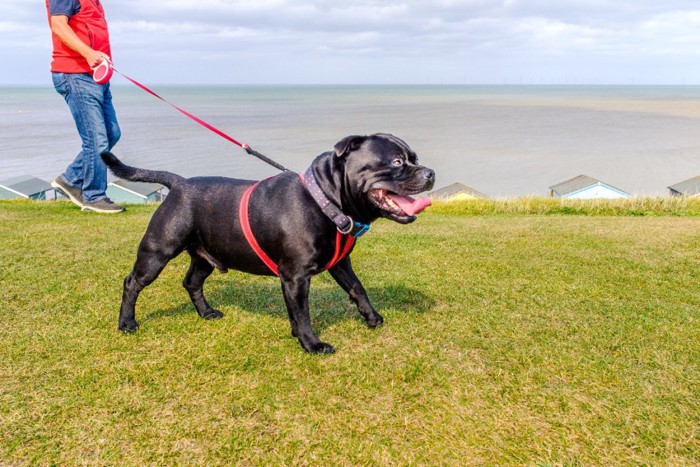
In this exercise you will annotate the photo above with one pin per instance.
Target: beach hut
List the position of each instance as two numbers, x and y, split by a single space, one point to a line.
456 192
124 191
585 187
690 187
26 187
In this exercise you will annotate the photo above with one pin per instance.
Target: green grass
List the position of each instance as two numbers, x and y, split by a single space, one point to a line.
510 338
638 206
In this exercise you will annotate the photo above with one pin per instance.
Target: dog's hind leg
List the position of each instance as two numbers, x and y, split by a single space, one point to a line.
127 312
149 265
155 251
199 270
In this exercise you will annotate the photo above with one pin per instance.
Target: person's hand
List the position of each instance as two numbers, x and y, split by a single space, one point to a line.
94 57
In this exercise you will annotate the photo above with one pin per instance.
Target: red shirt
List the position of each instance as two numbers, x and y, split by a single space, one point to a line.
90 26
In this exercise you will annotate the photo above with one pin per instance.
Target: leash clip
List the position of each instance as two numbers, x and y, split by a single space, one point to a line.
356 229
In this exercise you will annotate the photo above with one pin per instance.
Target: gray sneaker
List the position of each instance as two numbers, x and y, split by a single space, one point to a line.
104 205
73 193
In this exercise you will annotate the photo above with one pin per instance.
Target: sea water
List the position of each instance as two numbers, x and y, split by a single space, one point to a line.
500 140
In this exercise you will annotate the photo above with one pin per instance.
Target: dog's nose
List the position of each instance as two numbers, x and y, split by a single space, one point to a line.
429 175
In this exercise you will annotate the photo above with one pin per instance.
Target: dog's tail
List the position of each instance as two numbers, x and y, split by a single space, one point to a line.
134 174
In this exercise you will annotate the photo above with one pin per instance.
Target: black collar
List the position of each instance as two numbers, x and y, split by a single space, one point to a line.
344 224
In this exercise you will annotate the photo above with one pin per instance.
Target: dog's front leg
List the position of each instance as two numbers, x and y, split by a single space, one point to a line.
345 276
296 295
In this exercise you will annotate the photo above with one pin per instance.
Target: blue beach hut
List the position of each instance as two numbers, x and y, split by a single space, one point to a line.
124 191
26 187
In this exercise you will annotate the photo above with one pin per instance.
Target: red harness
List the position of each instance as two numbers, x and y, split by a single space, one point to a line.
341 250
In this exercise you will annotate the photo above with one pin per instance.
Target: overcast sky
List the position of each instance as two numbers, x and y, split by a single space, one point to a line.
378 42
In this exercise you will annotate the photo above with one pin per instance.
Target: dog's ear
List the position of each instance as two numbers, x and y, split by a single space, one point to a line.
348 144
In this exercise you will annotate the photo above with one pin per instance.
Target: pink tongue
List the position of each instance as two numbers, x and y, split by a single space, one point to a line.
409 205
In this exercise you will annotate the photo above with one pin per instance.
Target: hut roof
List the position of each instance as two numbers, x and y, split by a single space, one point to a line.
690 187
579 183
25 185
454 190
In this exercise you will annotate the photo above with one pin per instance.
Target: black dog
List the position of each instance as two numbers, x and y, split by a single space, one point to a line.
297 226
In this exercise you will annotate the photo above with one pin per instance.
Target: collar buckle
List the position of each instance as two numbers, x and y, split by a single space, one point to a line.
356 229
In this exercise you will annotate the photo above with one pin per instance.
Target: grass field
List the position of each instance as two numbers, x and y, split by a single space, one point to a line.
533 332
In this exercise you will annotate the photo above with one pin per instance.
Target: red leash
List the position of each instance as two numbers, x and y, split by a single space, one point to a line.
206 125
196 119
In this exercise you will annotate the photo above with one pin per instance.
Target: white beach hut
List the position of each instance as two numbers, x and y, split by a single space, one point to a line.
585 187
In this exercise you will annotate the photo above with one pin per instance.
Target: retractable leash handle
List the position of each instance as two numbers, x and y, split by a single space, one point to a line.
102 73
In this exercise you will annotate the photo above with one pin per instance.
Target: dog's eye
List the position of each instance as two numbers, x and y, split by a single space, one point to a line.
398 162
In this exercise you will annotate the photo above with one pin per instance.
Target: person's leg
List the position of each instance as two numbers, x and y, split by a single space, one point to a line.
105 205
86 101
74 173
71 181
110 116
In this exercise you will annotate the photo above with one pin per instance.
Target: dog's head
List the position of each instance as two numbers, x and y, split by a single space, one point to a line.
381 173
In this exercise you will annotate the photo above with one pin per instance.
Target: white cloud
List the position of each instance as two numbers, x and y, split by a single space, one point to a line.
456 39
676 33
550 35
9 27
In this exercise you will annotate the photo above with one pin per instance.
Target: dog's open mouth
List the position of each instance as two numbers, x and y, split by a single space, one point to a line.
398 206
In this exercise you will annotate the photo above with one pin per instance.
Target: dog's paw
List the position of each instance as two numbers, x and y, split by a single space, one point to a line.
212 314
375 321
320 348
128 326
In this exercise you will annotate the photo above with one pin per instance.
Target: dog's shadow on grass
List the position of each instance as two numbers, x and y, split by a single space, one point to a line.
328 303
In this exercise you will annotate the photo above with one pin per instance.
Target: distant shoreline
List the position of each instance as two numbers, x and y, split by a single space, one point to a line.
502 140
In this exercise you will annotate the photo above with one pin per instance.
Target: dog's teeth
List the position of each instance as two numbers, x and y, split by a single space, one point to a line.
391 203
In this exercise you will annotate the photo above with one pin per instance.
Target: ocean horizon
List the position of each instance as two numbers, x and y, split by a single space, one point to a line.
502 140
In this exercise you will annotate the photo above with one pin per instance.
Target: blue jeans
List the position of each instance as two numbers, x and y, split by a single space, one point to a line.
94 115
